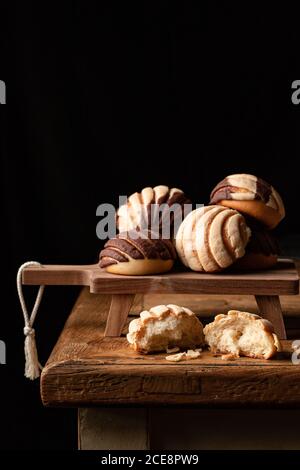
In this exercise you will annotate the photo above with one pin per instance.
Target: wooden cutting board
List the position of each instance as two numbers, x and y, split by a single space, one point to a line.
267 286
281 280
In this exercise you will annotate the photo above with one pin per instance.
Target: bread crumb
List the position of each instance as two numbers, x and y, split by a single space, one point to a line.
176 357
229 357
172 350
191 354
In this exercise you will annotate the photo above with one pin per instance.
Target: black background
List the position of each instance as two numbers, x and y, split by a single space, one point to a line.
106 98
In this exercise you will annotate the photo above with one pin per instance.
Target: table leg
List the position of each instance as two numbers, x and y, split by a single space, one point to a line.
113 428
270 308
118 312
131 428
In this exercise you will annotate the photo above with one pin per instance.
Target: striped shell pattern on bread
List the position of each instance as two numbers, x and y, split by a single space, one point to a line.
212 238
157 209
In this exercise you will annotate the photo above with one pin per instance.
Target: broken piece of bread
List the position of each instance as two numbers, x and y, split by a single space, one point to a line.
242 334
165 327
176 357
190 354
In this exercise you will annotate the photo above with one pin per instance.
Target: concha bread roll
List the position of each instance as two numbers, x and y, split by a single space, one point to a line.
252 196
211 238
163 327
137 253
261 252
242 334
149 210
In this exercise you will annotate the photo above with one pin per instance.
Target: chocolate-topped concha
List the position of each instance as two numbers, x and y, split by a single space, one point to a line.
251 196
262 241
262 250
137 253
159 209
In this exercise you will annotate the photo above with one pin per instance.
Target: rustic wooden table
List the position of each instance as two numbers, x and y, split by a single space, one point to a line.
130 401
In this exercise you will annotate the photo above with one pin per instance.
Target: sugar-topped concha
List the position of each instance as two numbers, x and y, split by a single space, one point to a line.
165 327
212 238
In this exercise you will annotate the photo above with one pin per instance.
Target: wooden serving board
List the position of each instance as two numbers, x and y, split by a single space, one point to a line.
281 280
265 285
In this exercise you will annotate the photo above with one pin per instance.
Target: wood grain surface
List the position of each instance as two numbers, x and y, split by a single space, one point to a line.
88 369
283 279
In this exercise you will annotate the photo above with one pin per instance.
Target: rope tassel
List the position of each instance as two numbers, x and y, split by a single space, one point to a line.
32 365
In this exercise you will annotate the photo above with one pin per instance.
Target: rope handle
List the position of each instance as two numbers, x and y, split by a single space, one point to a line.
32 365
